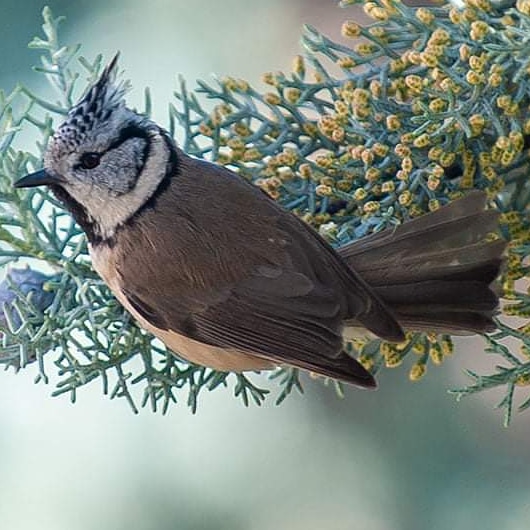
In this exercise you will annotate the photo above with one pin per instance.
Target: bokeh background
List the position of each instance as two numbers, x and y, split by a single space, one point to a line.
405 457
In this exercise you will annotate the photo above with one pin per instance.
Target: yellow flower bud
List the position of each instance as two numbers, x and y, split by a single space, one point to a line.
407 138
517 140
375 88
343 185
324 161
479 29
367 157
447 346
205 129
455 15
435 152
424 15
414 82
397 65
437 105
375 12
402 150
417 371
372 174
341 107
406 164
323 191
464 52
437 171
272 99
327 124
380 149
356 152
360 194
476 63
305 170
361 96
512 110
309 128
436 355
229 83
241 129
338 135
223 159
484 159
351 29
477 123
365 48
299 65
371 207
405 198
495 80
346 62
236 144
274 183
523 6
483 5
292 95
434 204
507 158
474 78
422 141
439 36
447 159
393 359
433 183
429 59
388 186
251 154
393 122
242 85
503 142
504 101
523 379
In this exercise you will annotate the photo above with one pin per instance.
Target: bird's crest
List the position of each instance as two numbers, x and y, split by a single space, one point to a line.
96 106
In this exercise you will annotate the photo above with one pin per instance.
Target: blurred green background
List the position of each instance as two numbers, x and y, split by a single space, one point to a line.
405 457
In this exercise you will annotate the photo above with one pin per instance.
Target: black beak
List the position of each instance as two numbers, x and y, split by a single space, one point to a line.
39 178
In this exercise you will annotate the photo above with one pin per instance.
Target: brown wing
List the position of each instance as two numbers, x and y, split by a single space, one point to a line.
215 260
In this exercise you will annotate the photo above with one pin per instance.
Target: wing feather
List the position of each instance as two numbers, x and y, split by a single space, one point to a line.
269 285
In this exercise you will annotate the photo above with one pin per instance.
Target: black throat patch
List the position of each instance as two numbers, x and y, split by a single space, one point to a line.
79 214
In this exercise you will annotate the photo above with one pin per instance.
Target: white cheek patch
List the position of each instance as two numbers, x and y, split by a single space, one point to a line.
109 209
123 166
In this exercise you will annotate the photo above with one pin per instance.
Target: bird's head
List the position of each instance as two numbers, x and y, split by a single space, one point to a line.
105 160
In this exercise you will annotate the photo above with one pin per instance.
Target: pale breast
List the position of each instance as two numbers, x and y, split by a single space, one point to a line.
203 354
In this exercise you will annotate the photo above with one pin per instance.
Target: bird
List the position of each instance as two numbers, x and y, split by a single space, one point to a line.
230 280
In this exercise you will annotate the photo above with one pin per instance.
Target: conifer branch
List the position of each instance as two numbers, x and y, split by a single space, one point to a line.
430 103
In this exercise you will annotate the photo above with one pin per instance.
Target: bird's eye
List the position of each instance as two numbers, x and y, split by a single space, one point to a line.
90 160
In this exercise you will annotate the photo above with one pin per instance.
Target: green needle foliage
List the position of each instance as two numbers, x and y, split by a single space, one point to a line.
425 104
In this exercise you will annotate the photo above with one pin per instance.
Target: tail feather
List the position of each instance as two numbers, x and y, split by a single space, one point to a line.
457 233
434 272
453 263
439 295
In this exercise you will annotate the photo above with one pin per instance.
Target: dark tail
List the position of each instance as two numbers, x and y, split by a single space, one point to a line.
435 271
